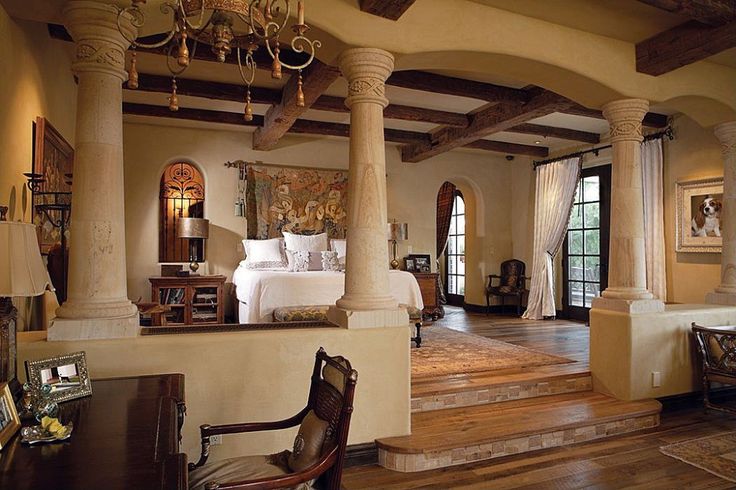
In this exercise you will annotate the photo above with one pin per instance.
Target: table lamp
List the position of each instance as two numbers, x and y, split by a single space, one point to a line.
397 232
22 274
193 228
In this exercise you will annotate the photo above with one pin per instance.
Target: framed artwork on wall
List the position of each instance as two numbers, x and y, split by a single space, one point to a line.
698 215
53 160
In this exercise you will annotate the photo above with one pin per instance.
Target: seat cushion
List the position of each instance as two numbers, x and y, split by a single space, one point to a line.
308 442
300 313
238 469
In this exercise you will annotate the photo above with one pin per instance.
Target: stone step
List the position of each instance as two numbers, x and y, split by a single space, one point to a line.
455 436
495 388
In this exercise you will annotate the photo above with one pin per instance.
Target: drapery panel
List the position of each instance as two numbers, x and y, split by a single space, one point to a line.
651 168
556 184
445 200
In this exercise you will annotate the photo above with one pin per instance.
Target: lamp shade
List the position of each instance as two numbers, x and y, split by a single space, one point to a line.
193 228
22 272
398 231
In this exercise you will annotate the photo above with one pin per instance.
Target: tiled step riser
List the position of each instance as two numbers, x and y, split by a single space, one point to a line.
440 459
497 394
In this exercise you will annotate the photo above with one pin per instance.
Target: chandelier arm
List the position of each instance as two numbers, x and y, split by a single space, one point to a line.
199 26
138 19
299 44
250 64
274 11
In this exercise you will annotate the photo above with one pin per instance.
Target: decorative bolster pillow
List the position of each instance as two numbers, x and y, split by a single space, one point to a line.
303 261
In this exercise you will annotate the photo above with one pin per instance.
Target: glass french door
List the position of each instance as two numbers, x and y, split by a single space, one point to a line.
585 251
455 253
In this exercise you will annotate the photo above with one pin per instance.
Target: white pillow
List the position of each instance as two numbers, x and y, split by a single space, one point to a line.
340 246
303 261
305 243
330 262
265 254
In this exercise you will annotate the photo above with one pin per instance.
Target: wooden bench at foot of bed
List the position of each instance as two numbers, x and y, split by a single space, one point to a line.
319 313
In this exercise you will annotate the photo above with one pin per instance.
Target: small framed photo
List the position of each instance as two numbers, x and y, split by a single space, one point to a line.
9 421
422 263
410 266
67 375
698 215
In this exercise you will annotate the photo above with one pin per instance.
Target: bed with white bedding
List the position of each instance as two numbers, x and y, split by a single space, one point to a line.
261 292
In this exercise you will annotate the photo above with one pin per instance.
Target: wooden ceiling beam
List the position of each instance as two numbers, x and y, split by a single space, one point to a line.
441 84
509 148
683 45
317 78
553 132
651 119
389 9
493 119
711 12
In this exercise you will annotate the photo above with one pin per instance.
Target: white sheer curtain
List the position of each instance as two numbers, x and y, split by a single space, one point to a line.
651 169
555 189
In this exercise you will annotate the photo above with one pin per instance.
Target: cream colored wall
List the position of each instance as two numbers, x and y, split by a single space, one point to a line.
412 195
694 154
258 376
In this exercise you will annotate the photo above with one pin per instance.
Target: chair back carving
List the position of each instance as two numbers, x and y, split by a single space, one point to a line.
717 346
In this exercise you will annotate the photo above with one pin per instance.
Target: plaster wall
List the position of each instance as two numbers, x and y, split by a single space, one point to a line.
412 193
258 376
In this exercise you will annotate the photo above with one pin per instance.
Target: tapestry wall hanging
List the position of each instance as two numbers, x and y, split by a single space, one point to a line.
300 200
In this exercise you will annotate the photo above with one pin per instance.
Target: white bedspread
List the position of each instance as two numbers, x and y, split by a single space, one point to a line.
260 292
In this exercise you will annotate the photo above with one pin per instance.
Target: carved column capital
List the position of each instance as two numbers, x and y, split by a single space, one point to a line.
625 117
366 70
726 134
100 46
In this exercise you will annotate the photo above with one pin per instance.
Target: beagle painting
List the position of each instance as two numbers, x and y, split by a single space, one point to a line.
707 218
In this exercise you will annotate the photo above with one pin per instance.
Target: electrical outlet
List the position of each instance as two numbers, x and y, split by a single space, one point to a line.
216 439
656 379
409 249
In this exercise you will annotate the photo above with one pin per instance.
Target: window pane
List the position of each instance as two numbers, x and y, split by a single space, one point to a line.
592 215
451 248
592 242
451 285
592 290
576 268
577 193
576 293
592 268
459 205
461 244
461 264
591 187
451 268
460 284
576 217
453 226
575 242
461 225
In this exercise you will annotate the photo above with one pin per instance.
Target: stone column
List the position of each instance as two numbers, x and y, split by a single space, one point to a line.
627 280
725 294
97 303
366 275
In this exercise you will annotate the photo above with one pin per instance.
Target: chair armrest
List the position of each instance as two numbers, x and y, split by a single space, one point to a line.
206 431
284 481
491 277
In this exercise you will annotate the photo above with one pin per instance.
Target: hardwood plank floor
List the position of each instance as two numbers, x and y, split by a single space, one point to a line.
625 461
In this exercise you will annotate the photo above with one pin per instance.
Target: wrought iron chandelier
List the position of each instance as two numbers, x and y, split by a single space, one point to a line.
224 26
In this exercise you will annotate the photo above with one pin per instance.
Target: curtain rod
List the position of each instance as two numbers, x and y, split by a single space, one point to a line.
667 133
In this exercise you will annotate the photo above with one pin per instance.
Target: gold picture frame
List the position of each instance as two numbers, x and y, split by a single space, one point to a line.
689 194
67 375
9 420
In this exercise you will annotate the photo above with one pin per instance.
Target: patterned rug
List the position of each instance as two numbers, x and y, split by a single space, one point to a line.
714 454
445 351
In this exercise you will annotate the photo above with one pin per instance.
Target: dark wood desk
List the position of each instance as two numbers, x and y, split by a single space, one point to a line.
126 436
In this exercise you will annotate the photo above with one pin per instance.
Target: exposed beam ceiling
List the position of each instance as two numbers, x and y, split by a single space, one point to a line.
493 119
302 126
651 119
682 45
390 9
711 12
317 78
552 132
440 84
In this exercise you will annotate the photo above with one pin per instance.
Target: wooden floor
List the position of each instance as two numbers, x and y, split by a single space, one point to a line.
625 461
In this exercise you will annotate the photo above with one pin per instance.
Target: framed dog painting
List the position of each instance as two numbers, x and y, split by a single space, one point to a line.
698 215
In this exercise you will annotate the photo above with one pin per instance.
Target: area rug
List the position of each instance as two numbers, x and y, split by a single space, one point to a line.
714 454
445 351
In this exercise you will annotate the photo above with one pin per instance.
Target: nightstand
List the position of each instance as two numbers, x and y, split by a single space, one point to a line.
194 300
429 285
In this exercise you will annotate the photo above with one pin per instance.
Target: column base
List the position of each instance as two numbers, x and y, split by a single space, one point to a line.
390 317
94 328
720 298
359 302
630 306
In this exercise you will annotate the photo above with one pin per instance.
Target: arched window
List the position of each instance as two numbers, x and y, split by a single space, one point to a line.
181 195
455 253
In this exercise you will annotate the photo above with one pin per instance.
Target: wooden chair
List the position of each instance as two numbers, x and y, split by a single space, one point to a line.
512 282
717 346
319 447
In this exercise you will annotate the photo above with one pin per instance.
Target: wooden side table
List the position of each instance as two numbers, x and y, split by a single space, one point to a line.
429 285
194 300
